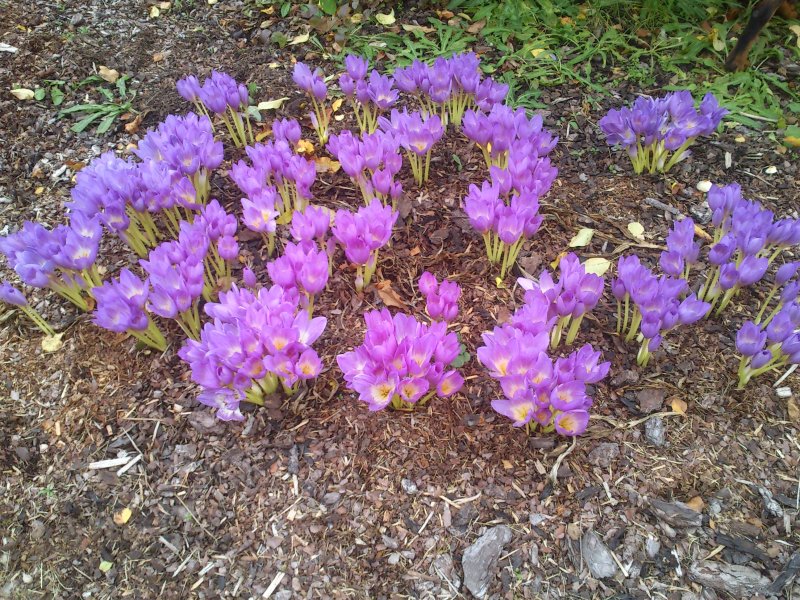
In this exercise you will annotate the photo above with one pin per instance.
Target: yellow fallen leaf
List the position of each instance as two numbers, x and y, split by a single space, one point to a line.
39 190
272 104
718 44
536 52
164 5
154 12
123 516
385 19
325 165
23 93
419 28
679 406
109 75
696 504
105 566
337 104
304 147
792 141
795 29
507 465
52 343
582 238
597 265
300 39
636 229
557 261
388 295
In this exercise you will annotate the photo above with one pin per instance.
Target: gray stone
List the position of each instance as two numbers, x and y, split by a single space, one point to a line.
481 557
538 519
331 498
76 19
282 595
597 556
534 555
444 568
655 431
394 558
738 580
409 487
604 454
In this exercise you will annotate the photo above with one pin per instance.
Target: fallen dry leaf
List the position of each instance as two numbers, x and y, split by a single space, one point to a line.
272 104
420 28
337 104
304 147
636 229
109 75
476 26
385 19
326 165
23 93
300 39
794 411
582 238
678 406
388 295
52 343
133 126
696 504
597 265
122 516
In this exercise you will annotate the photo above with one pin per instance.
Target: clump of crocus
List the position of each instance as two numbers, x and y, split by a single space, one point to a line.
416 134
658 305
402 362
540 392
769 346
657 132
61 259
450 86
302 267
570 299
362 234
682 251
121 308
13 296
505 211
259 214
256 342
371 161
221 95
369 96
441 299
223 249
274 163
504 130
747 240
187 146
312 83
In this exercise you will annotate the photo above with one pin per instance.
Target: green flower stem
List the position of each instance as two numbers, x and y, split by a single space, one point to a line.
643 356
676 156
555 333
726 299
636 320
619 317
38 320
574 327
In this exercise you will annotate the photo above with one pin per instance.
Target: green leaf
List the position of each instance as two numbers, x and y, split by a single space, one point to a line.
328 6
285 8
106 123
83 108
57 96
122 85
38 94
108 94
462 358
86 121
105 566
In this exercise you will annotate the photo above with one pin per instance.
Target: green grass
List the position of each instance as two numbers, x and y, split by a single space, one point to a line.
535 44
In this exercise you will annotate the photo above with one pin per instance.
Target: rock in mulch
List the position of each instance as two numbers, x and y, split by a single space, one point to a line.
597 556
480 559
604 454
677 514
655 431
738 580
651 399
444 568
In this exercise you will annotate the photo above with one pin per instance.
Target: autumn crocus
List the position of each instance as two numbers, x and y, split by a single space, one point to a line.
416 134
312 83
768 346
441 298
257 341
221 95
657 132
14 297
362 234
402 362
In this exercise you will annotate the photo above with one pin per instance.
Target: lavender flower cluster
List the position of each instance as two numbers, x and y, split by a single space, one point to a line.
540 391
372 161
221 95
402 362
657 132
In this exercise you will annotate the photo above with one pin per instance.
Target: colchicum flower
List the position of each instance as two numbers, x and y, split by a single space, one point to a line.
657 132
441 299
417 135
362 234
312 83
221 95
402 362
539 391
257 341
14 297
371 161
